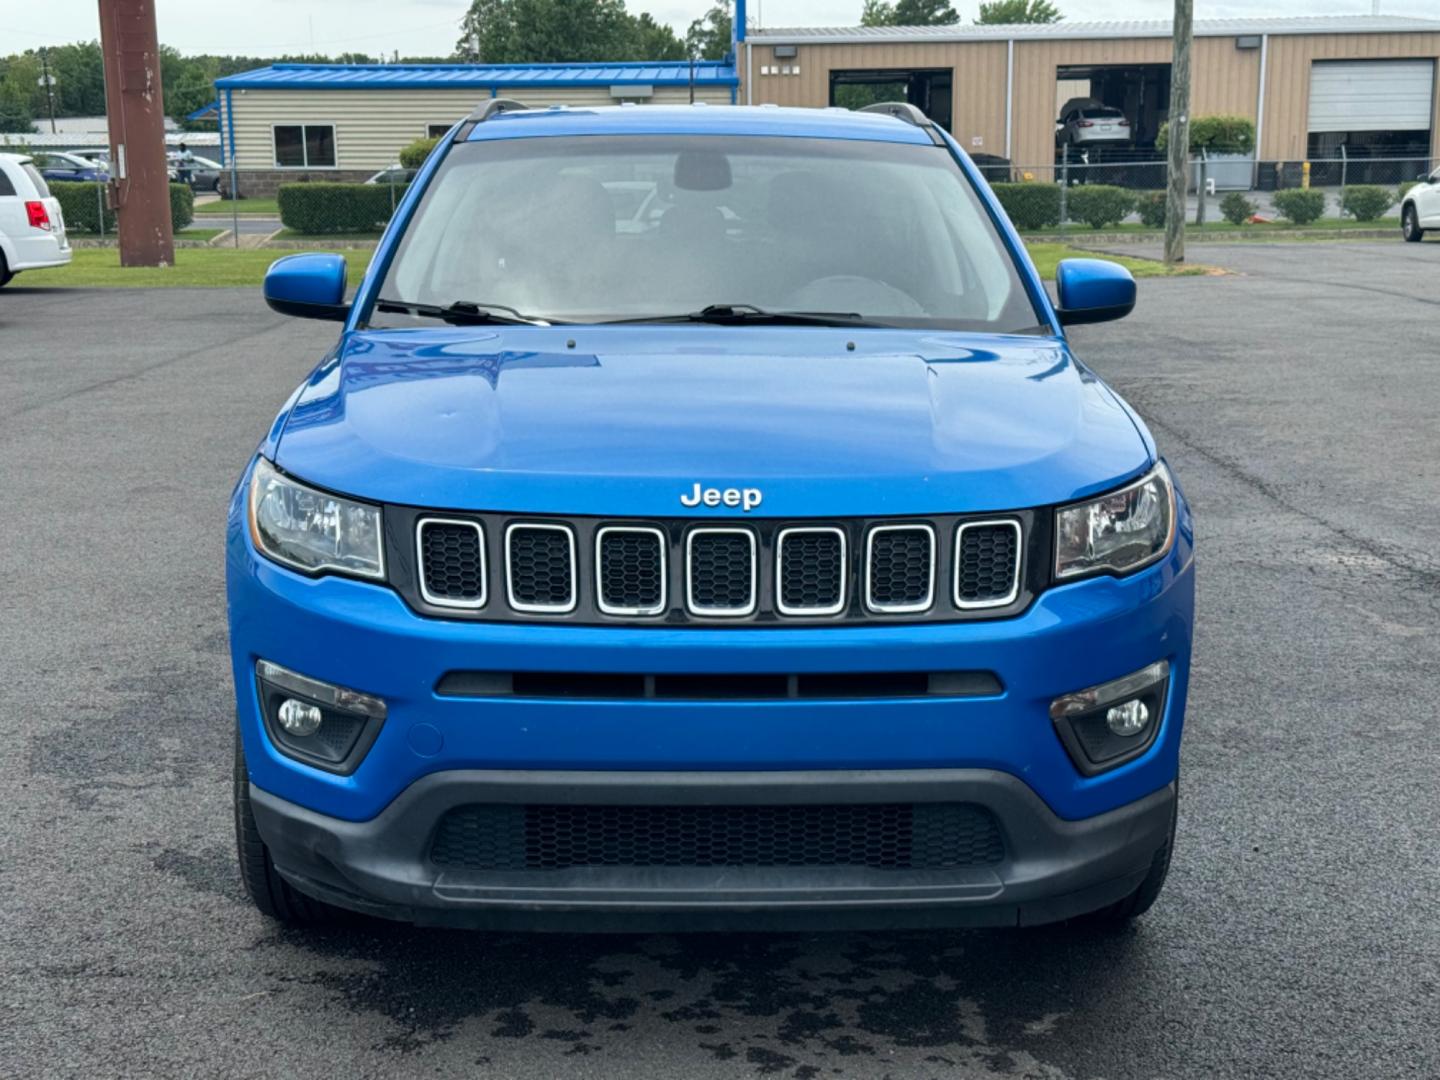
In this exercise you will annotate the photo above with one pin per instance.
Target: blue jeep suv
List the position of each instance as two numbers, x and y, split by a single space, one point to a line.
701 520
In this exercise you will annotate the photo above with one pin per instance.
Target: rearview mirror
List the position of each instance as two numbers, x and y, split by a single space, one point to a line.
1093 290
311 286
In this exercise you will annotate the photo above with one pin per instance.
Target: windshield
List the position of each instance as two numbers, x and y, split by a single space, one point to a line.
605 228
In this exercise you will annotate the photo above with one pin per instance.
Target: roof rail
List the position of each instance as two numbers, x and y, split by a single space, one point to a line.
494 107
901 110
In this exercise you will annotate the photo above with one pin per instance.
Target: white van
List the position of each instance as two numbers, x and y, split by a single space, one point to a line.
32 230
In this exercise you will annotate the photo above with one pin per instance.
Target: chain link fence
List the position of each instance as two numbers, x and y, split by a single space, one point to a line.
1079 192
1099 191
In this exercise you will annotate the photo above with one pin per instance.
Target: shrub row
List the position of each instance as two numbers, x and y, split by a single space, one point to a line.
322 207
1034 205
81 205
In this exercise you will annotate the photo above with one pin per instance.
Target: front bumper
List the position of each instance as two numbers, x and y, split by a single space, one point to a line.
1052 869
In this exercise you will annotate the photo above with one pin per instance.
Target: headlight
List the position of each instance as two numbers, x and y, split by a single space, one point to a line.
1120 532
312 530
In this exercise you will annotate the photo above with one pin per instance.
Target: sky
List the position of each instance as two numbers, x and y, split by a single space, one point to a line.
431 27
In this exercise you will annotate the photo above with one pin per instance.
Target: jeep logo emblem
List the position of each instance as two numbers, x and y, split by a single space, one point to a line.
745 498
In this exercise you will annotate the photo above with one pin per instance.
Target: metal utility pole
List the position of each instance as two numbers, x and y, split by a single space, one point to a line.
48 81
1178 173
135 106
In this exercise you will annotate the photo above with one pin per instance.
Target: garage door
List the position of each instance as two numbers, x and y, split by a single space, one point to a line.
1371 95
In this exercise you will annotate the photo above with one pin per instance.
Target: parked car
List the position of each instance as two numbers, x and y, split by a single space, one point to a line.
1085 122
1420 209
394 174
56 165
32 228
204 173
777 564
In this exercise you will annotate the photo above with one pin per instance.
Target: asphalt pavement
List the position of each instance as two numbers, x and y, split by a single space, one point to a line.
1299 935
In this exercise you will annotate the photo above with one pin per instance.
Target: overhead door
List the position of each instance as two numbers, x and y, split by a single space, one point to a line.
1371 95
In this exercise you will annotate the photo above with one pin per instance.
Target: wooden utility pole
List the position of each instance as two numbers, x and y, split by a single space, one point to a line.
135 110
1178 173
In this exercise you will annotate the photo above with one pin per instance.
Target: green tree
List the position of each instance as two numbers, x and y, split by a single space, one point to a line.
925 13
709 36
877 13
1018 11
556 31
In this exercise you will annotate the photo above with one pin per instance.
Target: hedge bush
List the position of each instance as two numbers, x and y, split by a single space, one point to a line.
414 155
81 202
324 207
1099 205
1151 205
182 206
1030 204
1236 208
1300 205
1217 134
1366 202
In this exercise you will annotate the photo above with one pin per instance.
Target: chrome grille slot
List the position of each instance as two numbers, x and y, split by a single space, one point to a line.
987 563
451 557
721 572
900 569
630 571
540 567
811 570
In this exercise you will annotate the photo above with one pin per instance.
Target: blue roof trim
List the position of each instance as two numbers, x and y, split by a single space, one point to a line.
699 120
205 112
476 76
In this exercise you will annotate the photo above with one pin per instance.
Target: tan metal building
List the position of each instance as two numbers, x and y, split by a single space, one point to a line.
1310 84
293 121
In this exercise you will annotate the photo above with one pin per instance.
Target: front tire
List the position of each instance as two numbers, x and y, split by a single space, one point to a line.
6 274
1410 225
1118 914
271 893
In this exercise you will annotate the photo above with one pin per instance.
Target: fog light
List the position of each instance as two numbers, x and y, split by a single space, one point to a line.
299 718
1128 719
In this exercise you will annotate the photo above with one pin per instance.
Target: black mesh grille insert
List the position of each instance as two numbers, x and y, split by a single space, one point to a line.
882 836
812 571
540 570
722 571
986 563
632 570
452 560
900 567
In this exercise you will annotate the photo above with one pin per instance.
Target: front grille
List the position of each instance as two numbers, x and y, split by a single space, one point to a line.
679 571
880 836
630 571
540 567
452 562
721 571
987 563
811 570
901 568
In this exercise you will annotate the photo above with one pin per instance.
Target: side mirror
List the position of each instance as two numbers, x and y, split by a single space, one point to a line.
1093 290
311 286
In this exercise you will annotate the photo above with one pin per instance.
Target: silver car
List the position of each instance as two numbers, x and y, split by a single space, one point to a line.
1085 123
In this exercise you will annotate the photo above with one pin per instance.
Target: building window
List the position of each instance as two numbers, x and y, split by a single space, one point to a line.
305 146
437 131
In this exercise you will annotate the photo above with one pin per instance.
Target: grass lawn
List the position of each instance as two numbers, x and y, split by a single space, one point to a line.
1045 256
200 267
225 207
1219 224
320 239
194 267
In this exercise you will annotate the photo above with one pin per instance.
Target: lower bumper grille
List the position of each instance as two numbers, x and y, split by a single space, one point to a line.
880 836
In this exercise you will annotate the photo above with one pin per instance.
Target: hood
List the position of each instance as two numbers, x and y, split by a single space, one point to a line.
623 421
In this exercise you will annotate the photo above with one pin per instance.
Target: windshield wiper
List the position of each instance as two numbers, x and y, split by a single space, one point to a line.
733 314
462 312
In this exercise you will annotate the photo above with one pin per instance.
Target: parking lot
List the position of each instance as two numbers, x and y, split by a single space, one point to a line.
1299 934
